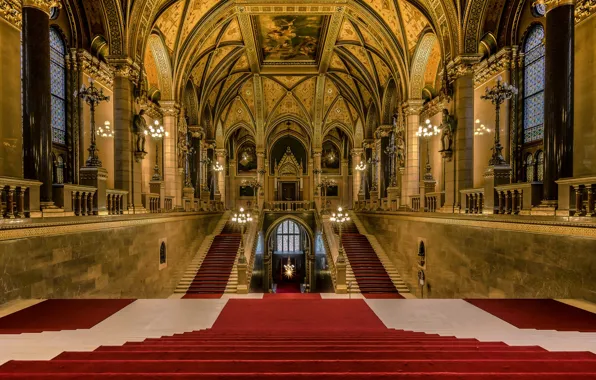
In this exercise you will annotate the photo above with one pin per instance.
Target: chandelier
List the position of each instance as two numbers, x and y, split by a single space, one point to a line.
289 269
105 131
480 129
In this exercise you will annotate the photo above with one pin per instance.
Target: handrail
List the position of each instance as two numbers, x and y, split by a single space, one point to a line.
288 205
253 249
327 247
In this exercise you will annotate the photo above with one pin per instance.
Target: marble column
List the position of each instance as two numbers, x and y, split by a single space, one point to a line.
356 176
220 156
261 178
411 181
464 133
171 175
318 192
127 169
37 127
558 96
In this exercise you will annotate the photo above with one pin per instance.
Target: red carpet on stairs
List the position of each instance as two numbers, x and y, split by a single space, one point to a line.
307 339
373 280
82 314
213 275
539 314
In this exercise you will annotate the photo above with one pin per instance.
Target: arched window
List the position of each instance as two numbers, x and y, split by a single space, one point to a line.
529 168
288 237
58 87
534 85
540 165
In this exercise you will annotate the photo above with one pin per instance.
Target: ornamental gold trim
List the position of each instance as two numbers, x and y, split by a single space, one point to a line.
11 12
43 5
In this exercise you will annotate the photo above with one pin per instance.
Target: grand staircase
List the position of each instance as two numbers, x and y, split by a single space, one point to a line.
278 354
374 277
211 270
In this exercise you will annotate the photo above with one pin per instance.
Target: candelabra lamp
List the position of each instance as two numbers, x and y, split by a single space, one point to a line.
157 132
391 151
497 95
373 161
93 97
254 184
241 219
325 184
339 219
427 132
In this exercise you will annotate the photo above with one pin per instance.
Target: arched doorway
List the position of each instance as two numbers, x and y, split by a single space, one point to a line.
289 257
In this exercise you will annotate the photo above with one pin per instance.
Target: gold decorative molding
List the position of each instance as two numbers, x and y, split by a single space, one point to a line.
413 107
584 9
124 67
42 5
152 110
82 60
170 108
492 66
433 107
462 65
11 12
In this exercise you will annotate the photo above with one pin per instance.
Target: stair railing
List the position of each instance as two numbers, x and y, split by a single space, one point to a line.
328 253
253 248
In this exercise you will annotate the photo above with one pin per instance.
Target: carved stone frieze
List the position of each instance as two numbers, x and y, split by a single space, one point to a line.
170 108
11 12
82 60
584 9
462 65
413 107
433 107
42 5
124 67
492 66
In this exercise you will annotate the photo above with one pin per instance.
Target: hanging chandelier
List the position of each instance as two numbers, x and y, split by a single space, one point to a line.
289 269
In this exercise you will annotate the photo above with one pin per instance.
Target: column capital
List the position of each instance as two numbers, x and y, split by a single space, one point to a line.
170 108
356 152
552 4
462 66
11 13
413 107
42 5
221 153
124 67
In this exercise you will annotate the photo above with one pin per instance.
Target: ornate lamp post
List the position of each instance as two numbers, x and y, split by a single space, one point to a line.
373 161
427 133
93 97
242 219
497 95
340 218
361 167
391 151
157 132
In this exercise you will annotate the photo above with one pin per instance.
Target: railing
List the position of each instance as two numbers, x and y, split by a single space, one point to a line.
328 253
19 198
415 202
116 201
289 205
168 203
433 201
152 202
518 198
253 247
78 199
576 196
472 200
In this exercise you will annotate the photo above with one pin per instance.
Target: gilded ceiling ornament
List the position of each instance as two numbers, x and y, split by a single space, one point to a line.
12 13
42 5
584 8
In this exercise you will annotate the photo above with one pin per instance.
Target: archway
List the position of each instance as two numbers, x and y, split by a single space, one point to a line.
289 257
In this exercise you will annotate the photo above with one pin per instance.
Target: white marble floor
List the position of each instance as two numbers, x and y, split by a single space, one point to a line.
154 318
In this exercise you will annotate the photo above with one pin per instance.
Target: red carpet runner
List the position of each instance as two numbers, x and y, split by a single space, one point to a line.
82 314
539 314
373 280
212 277
307 339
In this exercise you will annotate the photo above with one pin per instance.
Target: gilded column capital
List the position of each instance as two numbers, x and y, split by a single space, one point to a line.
170 108
413 107
462 65
85 62
221 153
357 152
42 5
11 12
124 67
552 4
493 65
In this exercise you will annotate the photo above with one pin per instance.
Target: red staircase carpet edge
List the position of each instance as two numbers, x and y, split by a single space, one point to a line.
382 296
202 296
538 314
297 296
51 315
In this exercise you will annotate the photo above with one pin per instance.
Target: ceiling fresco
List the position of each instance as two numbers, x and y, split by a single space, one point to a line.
289 38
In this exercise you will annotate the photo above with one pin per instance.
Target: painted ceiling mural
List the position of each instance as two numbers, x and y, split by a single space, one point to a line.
253 62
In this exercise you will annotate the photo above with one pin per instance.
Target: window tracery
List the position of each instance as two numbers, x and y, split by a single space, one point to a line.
534 62
288 237
58 87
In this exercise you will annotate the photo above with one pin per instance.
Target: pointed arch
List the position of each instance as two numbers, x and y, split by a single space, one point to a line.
419 62
164 67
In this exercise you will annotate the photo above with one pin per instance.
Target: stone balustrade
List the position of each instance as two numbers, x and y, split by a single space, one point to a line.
518 198
168 204
289 205
116 201
415 203
151 202
79 200
433 201
576 196
19 198
472 201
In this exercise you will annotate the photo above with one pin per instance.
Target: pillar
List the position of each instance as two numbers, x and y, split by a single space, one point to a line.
261 177
558 96
412 171
220 156
171 175
464 132
37 128
318 192
127 169
356 176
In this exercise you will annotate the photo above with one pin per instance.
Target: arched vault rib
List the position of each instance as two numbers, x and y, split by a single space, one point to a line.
419 65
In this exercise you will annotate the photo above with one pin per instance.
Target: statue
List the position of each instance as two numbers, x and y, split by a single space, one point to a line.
447 131
182 143
139 128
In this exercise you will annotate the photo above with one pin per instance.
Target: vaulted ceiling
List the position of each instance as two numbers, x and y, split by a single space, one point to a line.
321 64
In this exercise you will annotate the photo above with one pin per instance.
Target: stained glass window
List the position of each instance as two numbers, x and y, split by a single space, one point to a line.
58 87
529 168
288 237
534 85
540 165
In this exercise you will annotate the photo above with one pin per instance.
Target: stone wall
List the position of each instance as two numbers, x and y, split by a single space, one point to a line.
116 258
471 257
